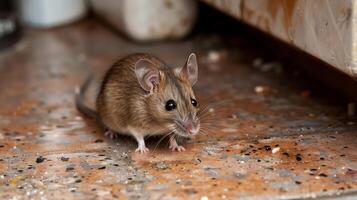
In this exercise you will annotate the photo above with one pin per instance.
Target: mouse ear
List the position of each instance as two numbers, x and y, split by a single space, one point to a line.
147 74
190 69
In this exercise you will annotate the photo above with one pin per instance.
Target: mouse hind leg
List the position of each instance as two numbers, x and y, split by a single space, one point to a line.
111 134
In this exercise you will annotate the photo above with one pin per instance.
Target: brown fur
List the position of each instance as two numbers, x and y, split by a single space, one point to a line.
123 105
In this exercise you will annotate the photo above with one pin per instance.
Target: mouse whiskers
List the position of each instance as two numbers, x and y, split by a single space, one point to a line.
163 137
212 113
212 108
163 130
207 131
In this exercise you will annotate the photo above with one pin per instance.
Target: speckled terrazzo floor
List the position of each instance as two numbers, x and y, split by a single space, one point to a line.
271 138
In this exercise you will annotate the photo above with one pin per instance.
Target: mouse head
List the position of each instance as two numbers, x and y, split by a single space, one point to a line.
170 92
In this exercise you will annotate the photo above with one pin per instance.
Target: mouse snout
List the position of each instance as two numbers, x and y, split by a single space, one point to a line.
187 127
191 127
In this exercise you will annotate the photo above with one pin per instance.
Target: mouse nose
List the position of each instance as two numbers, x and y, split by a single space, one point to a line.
189 127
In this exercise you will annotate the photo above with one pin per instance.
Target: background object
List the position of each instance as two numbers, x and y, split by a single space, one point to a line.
149 20
9 26
50 13
324 29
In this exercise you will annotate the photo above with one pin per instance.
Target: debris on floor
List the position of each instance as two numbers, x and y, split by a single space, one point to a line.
262 89
217 55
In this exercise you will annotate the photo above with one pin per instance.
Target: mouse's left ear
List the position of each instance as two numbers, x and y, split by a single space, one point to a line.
147 74
190 69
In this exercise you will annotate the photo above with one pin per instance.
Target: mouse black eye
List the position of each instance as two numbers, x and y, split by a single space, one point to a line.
170 105
194 102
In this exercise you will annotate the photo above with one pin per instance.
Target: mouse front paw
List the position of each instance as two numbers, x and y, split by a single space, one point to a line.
174 146
177 148
142 150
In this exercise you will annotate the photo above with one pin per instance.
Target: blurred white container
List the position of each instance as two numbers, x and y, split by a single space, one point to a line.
147 20
50 13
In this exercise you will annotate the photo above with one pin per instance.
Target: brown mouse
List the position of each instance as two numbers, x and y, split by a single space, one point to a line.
141 96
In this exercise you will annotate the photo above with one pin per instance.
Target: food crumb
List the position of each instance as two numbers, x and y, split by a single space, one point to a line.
204 198
217 55
259 89
69 169
15 180
64 159
40 159
298 157
262 89
275 150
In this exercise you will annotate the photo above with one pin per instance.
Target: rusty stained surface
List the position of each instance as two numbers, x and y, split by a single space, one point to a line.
266 15
285 142
324 29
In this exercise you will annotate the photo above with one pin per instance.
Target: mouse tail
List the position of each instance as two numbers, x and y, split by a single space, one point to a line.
80 99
